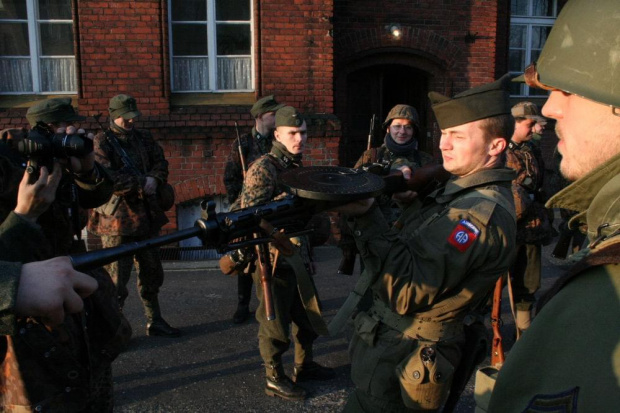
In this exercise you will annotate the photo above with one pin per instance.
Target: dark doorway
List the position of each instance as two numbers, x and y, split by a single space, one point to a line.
375 90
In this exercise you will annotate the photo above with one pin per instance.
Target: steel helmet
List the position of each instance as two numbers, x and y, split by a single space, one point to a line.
582 53
402 112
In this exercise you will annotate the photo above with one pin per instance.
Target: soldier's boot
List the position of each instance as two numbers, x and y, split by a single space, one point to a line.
244 288
312 371
277 384
156 325
523 321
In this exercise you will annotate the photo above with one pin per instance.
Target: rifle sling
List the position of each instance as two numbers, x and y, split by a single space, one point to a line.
308 295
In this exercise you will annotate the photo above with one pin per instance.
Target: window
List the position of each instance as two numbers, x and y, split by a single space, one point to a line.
36 47
211 45
530 24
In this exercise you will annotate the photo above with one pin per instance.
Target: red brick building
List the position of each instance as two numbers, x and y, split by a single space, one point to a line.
196 66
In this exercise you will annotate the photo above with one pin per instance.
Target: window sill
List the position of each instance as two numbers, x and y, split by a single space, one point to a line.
26 101
205 99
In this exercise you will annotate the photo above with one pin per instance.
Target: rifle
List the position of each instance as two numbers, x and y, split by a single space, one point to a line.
497 349
371 131
262 252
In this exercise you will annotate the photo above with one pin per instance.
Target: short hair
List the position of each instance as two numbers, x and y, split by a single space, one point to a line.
502 126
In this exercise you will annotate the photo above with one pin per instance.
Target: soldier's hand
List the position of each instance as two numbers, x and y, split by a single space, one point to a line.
85 163
49 289
406 197
33 200
150 186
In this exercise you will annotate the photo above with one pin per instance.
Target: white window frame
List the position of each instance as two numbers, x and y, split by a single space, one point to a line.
212 56
531 21
35 51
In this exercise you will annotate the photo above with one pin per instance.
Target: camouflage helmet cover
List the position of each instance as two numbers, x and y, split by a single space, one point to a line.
402 112
582 52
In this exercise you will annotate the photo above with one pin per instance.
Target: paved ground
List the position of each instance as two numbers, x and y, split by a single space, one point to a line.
215 366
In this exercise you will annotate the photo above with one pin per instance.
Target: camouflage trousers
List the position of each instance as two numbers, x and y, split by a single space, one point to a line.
149 270
273 336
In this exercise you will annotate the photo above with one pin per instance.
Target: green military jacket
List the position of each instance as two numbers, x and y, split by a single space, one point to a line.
449 254
569 359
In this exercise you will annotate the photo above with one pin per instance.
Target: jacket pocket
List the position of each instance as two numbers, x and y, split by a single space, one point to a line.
362 350
425 377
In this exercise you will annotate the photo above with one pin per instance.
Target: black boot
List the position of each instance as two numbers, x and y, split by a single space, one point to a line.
242 313
312 371
161 328
278 384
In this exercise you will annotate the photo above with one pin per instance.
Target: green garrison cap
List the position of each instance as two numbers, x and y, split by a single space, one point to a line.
288 116
481 102
264 105
402 112
123 106
53 111
582 53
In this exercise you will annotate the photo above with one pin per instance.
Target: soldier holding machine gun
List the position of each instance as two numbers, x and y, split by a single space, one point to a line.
134 212
245 150
289 273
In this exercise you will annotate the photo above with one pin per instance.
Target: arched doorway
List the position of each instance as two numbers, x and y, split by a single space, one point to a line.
375 90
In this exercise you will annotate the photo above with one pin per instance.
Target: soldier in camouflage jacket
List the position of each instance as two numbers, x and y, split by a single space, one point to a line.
133 213
253 146
260 186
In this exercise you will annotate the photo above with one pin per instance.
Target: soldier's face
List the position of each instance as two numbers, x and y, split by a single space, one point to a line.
465 149
589 132
124 123
523 130
293 138
268 120
402 130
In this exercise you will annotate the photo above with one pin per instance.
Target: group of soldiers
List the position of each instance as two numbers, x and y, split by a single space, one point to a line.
430 260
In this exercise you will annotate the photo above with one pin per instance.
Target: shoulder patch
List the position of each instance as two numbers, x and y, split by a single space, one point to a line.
463 235
563 402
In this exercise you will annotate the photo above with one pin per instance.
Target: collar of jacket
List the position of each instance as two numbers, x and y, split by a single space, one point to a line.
484 177
263 141
121 134
284 157
595 197
512 145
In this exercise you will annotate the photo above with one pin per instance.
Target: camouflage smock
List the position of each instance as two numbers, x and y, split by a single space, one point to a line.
135 215
253 145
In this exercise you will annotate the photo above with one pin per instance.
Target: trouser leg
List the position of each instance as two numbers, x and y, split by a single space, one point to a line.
120 271
150 279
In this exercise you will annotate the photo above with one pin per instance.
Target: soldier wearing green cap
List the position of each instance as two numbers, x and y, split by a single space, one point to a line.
42 220
133 213
291 279
533 227
569 358
436 267
253 145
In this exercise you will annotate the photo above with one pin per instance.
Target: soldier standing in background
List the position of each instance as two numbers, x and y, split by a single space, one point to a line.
260 186
568 360
133 213
533 227
438 265
399 148
253 145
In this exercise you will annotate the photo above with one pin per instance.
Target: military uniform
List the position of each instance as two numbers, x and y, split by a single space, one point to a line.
66 368
132 215
253 146
430 272
569 359
533 227
261 186
574 339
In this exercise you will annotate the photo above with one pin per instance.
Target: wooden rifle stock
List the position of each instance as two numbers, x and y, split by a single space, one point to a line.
497 349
